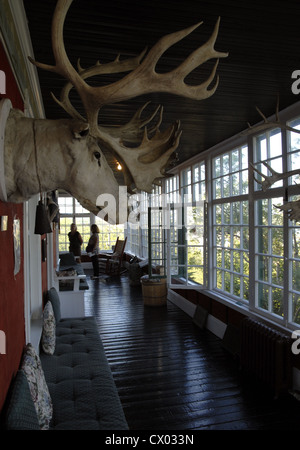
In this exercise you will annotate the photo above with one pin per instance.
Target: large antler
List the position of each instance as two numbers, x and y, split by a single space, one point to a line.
269 180
292 208
142 79
267 124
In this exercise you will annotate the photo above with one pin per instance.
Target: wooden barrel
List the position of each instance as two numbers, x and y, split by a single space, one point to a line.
154 291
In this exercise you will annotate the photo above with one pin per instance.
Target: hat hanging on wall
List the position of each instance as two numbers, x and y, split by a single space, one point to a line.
42 223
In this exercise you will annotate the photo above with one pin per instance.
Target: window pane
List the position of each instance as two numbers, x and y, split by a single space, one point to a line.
244 157
261 148
277 241
294 151
196 173
225 164
195 274
63 240
230 175
226 186
268 149
296 275
296 308
65 205
79 209
269 248
235 161
217 188
277 271
237 286
231 248
275 143
217 167
277 301
263 296
219 280
263 268
245 238
246 288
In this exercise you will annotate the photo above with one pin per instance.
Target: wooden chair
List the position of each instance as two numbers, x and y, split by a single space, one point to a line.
113 261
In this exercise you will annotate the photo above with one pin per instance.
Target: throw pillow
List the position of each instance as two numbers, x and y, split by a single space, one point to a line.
21 413
53 297
31 365
49 329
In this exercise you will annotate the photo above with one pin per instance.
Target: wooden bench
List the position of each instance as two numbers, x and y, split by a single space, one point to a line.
78 385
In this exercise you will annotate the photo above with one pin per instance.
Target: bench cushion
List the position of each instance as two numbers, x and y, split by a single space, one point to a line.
31 366
67 259
79 378
67 262
21 413
53 297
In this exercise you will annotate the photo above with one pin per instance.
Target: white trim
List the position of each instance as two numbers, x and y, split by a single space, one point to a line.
21 25
33 297
5 107
182 303
50 261
214 325
26 272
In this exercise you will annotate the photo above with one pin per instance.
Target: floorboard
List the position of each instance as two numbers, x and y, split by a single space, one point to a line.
171 375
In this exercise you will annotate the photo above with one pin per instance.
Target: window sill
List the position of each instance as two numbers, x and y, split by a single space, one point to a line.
36 328
233 303
244 309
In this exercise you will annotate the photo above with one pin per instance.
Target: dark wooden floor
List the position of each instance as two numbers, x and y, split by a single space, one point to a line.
170 375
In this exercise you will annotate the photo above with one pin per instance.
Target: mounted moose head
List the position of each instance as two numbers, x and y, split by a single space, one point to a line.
65 153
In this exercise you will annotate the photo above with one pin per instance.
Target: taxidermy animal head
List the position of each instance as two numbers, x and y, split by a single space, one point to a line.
43 155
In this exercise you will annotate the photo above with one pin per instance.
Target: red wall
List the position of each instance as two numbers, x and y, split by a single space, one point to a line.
11 287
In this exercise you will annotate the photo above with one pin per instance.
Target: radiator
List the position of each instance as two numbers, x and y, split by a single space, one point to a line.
266 355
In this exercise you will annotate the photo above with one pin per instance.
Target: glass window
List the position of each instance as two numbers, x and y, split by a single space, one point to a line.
231 248
199 182
269 255
231 223
294 152
294 273
72 212
108 233
186 223
230 173
267 156
294 226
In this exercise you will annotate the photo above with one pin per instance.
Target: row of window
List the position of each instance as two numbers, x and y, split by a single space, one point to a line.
218 225
250 252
